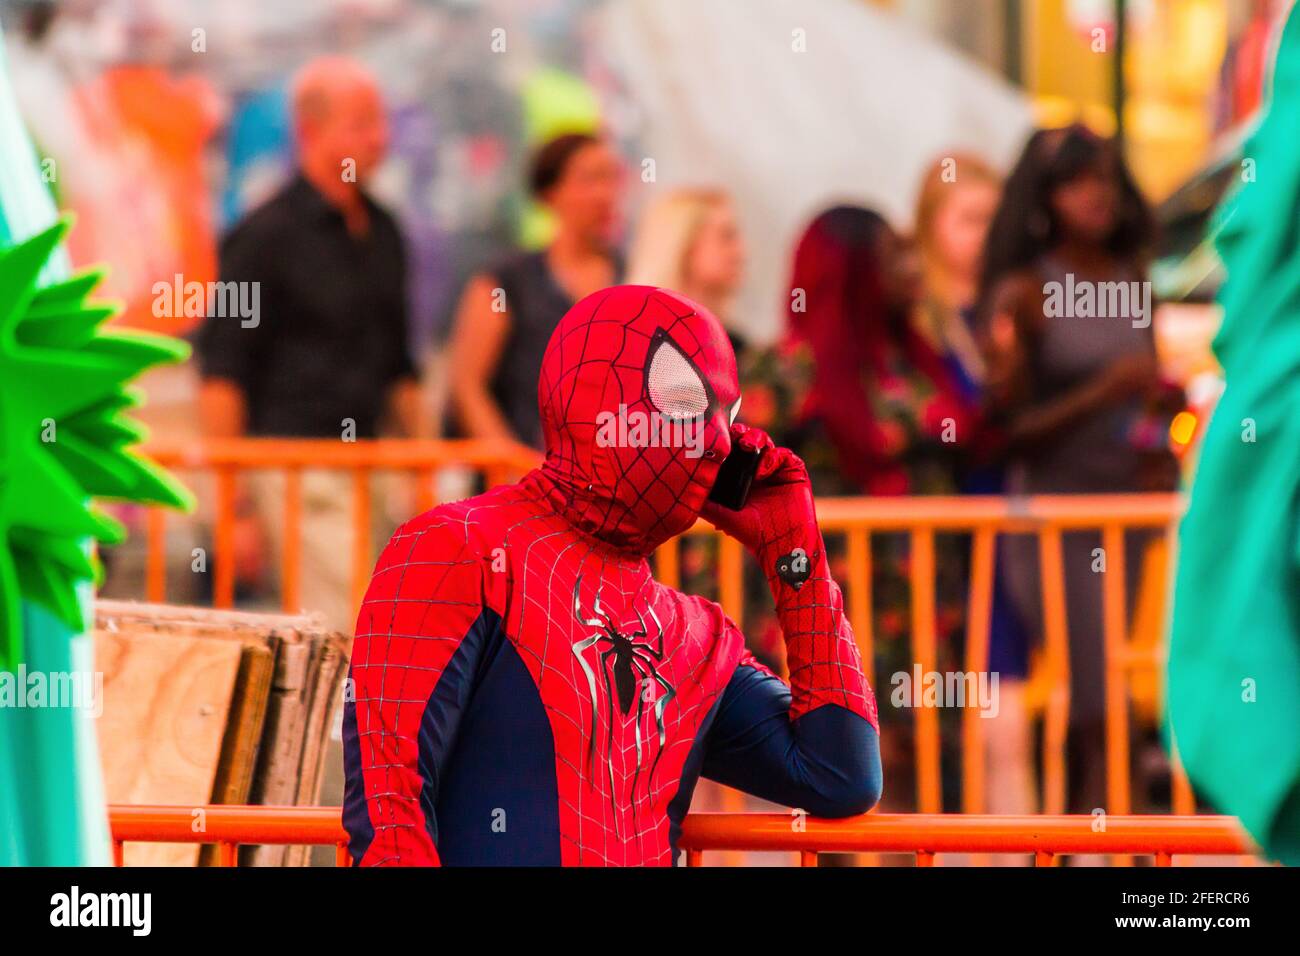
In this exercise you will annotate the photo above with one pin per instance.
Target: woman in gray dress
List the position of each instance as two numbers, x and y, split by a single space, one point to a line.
1065 311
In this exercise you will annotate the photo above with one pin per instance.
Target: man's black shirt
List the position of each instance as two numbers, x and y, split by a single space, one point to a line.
330 336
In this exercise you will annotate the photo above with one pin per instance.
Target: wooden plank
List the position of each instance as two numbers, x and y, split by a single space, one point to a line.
243 739
324 703
166 701
275 781
326 699
153 612
244 727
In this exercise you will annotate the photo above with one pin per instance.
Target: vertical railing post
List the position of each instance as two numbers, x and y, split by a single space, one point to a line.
1114 618
979 612
291 554
1055 627
361 559
859 556
731 578
928 770
860 618
223 592
1184 798
668 563
425 497
1115 663
156 562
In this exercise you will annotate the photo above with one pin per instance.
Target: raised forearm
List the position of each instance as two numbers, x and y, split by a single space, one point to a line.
1033 425
779 526
821 653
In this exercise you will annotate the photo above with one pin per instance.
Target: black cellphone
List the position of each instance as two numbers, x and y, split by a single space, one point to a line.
735 476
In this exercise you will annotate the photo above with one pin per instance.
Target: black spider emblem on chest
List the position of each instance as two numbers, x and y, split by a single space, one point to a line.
629 665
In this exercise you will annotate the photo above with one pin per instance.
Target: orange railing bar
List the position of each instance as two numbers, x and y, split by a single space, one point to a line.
1006 513
967 833
228 827
253 454
925 835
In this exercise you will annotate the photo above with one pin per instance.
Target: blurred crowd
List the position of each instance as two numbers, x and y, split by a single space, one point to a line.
918 358
921 351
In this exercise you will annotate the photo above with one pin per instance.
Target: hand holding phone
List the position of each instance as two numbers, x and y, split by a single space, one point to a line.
735 477
777 507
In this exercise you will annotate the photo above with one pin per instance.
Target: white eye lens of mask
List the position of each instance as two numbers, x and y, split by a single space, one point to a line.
735 410
675 387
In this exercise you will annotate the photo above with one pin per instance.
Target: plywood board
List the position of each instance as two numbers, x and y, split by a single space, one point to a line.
244 727
166 702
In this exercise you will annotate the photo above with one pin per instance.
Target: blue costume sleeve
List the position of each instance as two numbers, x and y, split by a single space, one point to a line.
827 762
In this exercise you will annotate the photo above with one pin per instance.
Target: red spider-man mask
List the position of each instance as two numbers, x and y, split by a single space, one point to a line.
637 392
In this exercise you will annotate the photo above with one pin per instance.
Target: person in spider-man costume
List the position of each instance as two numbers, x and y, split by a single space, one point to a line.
524 692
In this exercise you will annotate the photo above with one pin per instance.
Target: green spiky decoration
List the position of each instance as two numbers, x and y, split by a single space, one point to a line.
64 434
64 438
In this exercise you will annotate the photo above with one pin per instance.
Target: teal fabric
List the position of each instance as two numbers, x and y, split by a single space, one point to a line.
1234 663
51 790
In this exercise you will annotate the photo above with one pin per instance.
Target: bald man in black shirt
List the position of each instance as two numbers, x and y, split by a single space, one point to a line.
328 346
325 353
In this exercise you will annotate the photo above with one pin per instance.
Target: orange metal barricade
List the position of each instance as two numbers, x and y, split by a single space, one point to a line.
983 518
228 459
853 519
924 835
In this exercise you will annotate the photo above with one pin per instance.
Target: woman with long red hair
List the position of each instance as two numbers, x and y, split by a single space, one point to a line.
883 397
871 406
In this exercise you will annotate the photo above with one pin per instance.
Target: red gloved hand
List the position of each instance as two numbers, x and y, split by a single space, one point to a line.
779 526
780 503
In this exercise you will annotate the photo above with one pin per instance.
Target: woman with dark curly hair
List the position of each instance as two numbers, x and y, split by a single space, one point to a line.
1073 380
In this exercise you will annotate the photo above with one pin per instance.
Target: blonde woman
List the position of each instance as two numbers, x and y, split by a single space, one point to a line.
689 240
958 197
